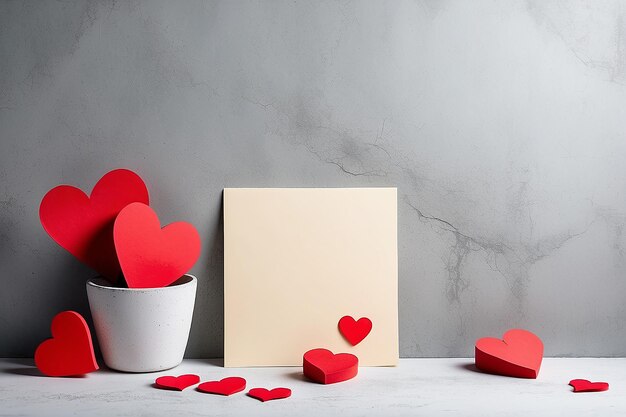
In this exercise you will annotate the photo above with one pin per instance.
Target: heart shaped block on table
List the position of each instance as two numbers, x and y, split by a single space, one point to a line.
151 256
263 394
176 383
584 385
70 350
226 386
354 331
84 225
324 367
518 354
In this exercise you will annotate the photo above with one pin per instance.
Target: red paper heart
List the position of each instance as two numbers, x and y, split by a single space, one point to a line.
583 385
355 331
518 354
321 365
84 225
70 351
177 383
267 395
226 386
150 256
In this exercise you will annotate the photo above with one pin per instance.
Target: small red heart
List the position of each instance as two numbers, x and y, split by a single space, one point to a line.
583 385
518 354
177 383
267 395
70 351
152 257
355 331
321 365
84 225
226 386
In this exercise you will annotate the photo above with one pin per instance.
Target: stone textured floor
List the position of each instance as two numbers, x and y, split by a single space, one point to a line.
428 387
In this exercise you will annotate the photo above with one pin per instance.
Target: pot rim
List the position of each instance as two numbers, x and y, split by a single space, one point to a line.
190 279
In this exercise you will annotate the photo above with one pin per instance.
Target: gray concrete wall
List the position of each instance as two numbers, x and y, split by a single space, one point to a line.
503 125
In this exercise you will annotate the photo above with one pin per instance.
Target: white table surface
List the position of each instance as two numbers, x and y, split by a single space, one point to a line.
428 387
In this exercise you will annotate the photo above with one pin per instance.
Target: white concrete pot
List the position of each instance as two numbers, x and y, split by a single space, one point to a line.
142 329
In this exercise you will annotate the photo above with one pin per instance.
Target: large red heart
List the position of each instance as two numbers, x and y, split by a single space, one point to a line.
226 386
264 394
70 351
583 385
321 365
518 354
84 225
152 257
355 331
177 383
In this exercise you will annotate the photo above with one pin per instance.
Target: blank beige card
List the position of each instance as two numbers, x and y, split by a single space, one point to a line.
296 260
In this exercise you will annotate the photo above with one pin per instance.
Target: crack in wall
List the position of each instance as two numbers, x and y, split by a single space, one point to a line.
463 246
338 163
342 149
564 23
519 258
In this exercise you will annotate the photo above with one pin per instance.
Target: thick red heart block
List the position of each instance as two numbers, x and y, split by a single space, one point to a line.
152 257
70 351
226 386
264 394
321 365
176 383
583 385
354 331
518 354
84 225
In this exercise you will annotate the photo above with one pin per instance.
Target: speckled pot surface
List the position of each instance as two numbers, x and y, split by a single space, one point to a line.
143 329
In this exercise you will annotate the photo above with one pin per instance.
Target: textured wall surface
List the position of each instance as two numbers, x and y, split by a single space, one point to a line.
503 125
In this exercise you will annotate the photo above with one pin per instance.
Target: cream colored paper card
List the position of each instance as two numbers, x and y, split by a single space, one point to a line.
298 259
